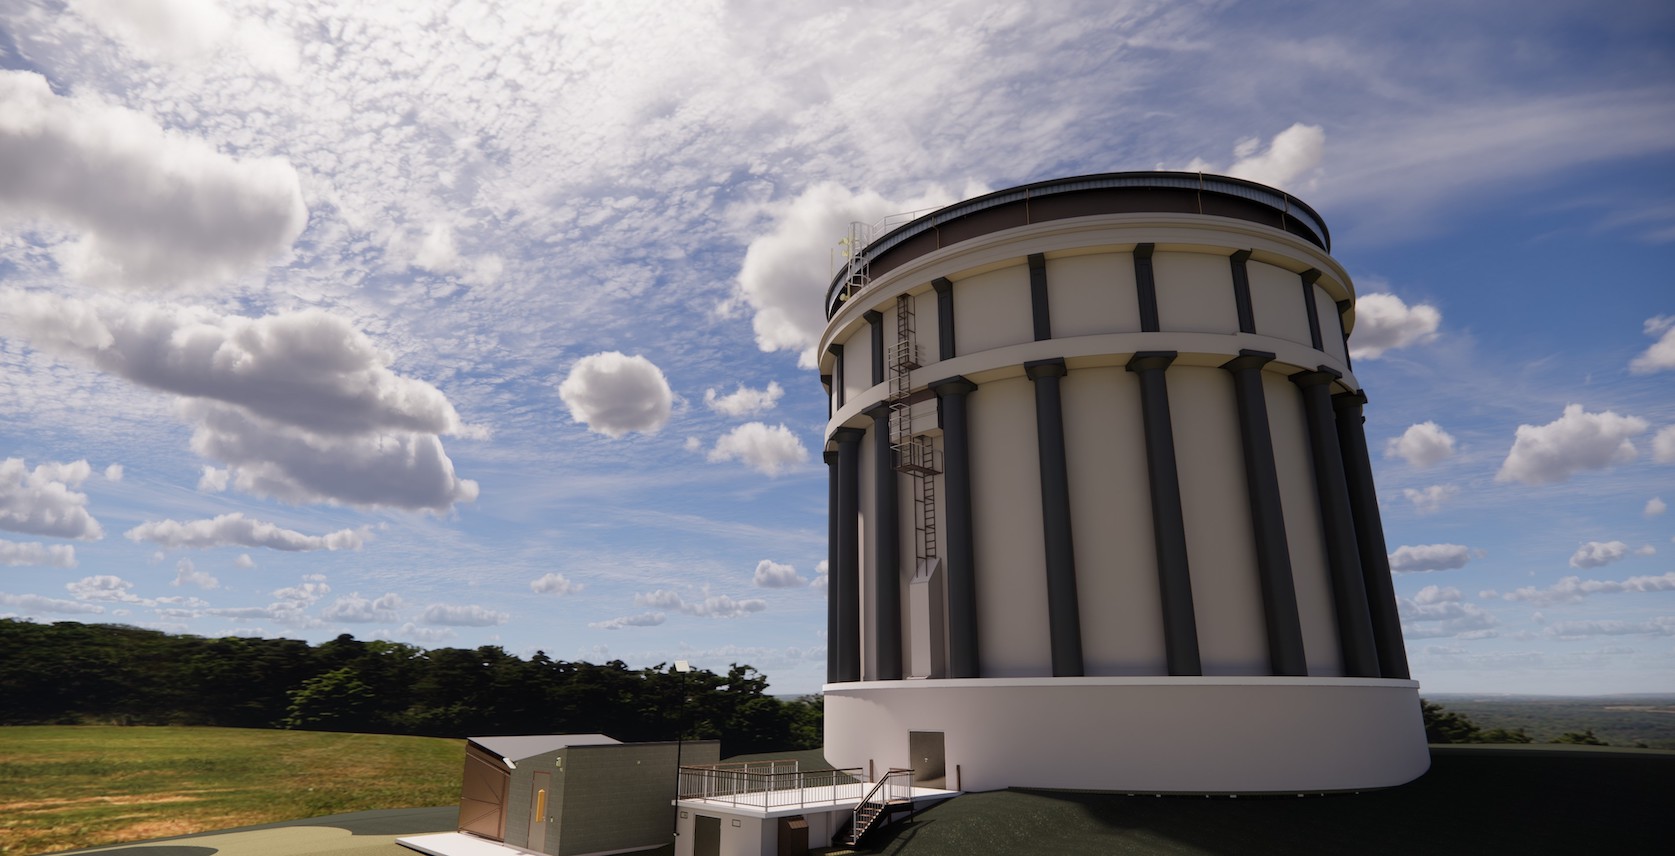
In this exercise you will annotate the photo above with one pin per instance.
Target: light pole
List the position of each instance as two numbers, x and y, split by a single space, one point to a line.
682 667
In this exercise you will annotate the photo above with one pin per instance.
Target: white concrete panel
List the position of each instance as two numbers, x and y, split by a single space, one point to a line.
1116 563
1303 535
1195 293
1226 592
992 310
1331 326
1013 637
1276 298
857 363
1190 735
1092 294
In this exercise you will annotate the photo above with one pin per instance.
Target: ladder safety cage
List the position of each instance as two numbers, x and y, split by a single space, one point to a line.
915 454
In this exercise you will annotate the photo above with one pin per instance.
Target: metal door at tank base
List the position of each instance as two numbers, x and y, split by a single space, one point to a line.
930 764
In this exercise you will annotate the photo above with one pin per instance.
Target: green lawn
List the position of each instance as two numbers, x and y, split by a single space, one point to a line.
64 787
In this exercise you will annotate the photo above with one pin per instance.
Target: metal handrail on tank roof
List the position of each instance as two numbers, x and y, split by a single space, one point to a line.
1283 203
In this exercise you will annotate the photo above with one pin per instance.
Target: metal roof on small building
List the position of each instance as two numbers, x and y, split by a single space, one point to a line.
517 747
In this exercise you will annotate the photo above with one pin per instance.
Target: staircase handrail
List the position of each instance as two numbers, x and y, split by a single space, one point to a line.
856 831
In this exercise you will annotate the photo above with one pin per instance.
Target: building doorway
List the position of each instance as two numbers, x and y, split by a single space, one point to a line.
706 835
930 765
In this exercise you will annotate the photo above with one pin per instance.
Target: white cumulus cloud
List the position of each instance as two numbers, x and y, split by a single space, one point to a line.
787 270
644 619
1574 589
769 451
150 207
113 473
1596 553
1655 506
187 573
744 401
235 528
1429 500
185 31
105 587
462 615
1663 445
36 553
709 606
295 465
37 603
356 609
1384 322
1429 557
40 501
1576 441
1290 162
554 584
1421 445
1661 355
771 574
1436 612
301 406
614 394
1662 625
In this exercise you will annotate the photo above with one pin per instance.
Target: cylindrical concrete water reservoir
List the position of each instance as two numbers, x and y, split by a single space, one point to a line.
1103 515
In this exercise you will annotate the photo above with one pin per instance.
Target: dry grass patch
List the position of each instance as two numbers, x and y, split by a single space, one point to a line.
64 787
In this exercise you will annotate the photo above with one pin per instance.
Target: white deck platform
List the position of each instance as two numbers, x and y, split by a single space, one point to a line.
458 844
782 803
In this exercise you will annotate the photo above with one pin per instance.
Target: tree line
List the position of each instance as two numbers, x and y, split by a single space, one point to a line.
72 673
1447 726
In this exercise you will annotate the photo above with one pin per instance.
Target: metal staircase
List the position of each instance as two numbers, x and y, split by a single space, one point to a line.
892 792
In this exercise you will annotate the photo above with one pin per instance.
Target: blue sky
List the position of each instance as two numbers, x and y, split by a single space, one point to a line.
486 323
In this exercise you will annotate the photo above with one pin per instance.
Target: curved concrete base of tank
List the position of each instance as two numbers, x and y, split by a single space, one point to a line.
1177 735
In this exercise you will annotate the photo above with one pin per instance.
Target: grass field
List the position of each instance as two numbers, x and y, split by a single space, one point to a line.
63 787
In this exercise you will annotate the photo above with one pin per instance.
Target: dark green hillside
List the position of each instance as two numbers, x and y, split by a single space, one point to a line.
1475 800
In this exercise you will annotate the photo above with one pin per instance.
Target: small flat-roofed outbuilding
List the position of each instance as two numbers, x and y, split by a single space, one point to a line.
573 794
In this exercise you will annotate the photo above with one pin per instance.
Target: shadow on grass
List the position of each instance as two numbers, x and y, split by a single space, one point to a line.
1527 800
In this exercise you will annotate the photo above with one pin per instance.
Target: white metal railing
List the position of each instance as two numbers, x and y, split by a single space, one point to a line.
770 784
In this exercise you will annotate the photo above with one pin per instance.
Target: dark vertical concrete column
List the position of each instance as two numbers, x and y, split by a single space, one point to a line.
944 317
1146 285
1343 554
1241 291
834 511
1308 277
1267 519
1180 624
875 321
837 376
826 381
1038 305
886 550
963 659
846 576
1064 620
1369 535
